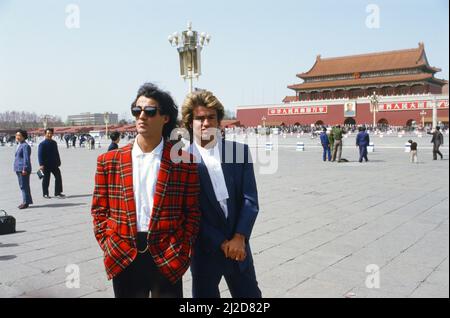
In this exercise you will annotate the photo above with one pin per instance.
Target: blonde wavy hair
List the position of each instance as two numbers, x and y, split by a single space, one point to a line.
200 98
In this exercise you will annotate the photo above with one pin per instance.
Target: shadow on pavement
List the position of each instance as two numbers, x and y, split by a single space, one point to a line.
8 245
79 196
56 205
7 257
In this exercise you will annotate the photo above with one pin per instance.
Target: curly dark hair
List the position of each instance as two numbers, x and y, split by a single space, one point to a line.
166 103
24 133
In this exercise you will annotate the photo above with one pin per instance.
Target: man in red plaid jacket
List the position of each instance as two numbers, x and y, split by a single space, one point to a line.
145 205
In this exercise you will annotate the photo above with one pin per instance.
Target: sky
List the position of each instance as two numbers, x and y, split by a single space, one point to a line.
257 47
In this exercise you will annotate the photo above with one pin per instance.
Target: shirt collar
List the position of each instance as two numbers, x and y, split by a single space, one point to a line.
208 152
137 151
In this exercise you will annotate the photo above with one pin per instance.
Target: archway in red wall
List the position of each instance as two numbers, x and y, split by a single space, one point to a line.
350 121
319 123
409 123
383 121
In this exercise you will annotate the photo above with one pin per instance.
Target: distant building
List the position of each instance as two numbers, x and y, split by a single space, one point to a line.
92 119
337 91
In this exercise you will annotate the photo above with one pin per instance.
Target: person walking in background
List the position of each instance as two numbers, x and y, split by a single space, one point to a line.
362 141
115 139
337 133
74 141
325 145
437 141
22 167
413 152
91 143
49 162
331 139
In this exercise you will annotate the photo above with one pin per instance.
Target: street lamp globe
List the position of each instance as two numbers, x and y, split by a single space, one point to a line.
189 46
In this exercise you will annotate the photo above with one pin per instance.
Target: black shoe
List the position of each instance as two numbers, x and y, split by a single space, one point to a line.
23 206
61 196
46 196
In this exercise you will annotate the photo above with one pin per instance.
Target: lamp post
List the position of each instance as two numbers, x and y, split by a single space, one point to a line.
45 122
423 113
106 119
435 119
264 121
374 101
189 45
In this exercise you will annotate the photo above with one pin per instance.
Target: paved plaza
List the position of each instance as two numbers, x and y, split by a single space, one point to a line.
322 227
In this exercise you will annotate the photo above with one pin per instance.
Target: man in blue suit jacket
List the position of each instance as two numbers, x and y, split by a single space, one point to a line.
49 162
362 141
228 202
22 168
325 145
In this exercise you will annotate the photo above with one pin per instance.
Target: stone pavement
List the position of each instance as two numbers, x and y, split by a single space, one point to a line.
320 227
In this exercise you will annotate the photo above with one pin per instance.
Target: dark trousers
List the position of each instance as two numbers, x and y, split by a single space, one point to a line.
46 181
142 277
241 284
326 152
436 152
363 153
24 184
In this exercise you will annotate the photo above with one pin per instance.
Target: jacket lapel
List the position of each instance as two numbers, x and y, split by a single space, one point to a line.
207 186
227 167
161 184
126 173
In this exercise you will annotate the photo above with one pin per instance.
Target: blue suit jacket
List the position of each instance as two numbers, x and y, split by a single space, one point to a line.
22 160
48 154
324 139
242 204
362 139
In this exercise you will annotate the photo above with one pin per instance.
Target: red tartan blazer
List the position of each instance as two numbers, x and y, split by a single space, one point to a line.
175 218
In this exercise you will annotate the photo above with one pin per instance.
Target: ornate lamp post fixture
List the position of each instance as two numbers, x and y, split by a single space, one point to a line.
374 101
189 45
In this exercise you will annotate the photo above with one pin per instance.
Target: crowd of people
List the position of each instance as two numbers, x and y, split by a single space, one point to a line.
315 130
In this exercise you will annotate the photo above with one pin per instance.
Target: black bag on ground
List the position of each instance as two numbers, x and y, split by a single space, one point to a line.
7 223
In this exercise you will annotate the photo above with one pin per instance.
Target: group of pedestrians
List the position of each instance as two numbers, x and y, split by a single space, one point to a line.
332 144
49 163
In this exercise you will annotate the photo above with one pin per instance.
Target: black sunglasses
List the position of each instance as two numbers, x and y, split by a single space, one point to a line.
149 111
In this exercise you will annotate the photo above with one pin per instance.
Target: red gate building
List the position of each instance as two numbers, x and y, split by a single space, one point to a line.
337 91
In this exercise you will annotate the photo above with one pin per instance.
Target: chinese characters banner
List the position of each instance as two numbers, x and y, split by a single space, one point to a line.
310 110
441 104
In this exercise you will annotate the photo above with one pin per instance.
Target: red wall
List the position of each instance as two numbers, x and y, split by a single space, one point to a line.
335 115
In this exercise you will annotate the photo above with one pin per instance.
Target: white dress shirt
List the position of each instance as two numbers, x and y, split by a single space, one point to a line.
145 174
213 163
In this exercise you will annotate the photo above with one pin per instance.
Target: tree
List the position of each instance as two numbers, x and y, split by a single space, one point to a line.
229 114
26 120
